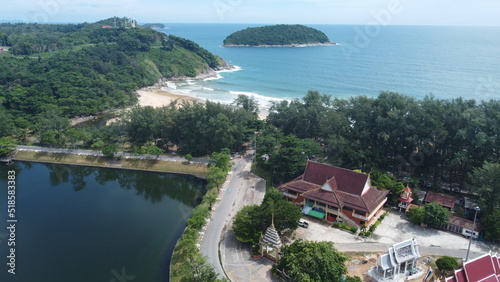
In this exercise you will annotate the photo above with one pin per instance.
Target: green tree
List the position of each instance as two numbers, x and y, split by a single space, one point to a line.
188 157
289 160
109 150
221 159
211 199
436 215
313 261
155 151
446 264
486 181
247 224
491 226
202 271
247 103
286 214
216 177
7 146
416 215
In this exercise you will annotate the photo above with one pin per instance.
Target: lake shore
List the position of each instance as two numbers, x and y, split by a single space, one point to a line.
196 169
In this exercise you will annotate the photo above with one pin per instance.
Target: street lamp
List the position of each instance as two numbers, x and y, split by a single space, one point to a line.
472 234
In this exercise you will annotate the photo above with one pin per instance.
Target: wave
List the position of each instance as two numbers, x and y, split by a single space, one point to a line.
235 68
171 85
218 76
257 96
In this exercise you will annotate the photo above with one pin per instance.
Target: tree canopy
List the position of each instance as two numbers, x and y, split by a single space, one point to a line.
252 221
312 261
85 69
276 35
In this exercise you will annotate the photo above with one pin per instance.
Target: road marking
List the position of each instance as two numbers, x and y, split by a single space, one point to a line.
250 275
228 191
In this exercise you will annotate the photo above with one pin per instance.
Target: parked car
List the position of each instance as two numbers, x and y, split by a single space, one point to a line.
303 224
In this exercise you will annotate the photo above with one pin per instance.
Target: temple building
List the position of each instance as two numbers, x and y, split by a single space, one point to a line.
336 194
484 268
405 199
271 243
398 264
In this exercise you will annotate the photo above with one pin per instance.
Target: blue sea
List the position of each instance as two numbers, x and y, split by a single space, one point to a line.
445 61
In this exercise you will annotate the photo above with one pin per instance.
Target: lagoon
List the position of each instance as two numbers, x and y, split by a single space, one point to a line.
78 223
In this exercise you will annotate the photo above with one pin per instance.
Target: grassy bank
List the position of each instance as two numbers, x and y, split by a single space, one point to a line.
196 169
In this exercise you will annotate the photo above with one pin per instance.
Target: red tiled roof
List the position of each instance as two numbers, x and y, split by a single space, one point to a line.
339 179
464 223
409 200
440 199
323 196
480 268
347 180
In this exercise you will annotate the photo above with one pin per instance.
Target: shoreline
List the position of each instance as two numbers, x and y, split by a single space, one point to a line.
163 93
287 45
102 162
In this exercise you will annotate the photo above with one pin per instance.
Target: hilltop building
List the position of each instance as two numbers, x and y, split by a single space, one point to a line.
336 194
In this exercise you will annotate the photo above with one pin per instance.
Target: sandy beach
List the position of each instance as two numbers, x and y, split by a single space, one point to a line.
159 98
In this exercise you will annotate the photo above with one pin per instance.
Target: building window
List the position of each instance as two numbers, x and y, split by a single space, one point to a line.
348 209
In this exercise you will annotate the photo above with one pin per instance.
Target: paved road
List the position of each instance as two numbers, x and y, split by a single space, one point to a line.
172 158
212 235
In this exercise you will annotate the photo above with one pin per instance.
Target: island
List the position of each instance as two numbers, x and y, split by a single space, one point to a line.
277 36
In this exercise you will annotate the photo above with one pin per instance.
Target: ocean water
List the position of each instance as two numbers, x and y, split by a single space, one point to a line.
445 61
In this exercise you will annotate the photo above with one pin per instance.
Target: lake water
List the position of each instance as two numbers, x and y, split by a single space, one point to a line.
446 61
79 223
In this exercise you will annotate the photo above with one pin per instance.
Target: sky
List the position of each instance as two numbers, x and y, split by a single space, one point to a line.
387 12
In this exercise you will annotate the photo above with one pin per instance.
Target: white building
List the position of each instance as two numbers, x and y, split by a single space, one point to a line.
398 264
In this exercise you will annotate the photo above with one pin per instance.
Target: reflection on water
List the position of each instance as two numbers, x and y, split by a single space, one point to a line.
78 223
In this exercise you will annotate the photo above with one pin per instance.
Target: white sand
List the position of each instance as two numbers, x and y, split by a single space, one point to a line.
159 98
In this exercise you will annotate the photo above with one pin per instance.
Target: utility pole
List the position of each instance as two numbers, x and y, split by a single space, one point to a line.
472 234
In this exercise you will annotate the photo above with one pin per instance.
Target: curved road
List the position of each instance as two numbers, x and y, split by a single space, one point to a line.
212 235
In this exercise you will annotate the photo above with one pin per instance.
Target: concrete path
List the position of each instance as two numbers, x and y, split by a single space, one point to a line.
164 157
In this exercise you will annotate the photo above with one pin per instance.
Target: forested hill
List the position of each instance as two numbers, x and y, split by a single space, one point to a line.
79 69
276 35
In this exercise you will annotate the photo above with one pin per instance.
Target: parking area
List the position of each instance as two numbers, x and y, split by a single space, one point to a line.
393 229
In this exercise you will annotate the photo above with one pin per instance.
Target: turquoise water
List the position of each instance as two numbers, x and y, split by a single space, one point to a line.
447 62
80 223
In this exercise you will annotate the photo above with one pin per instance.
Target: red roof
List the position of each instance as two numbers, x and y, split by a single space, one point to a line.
440 199
484 268
409 200
464 223
480 268
347 180
347 187
460 275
